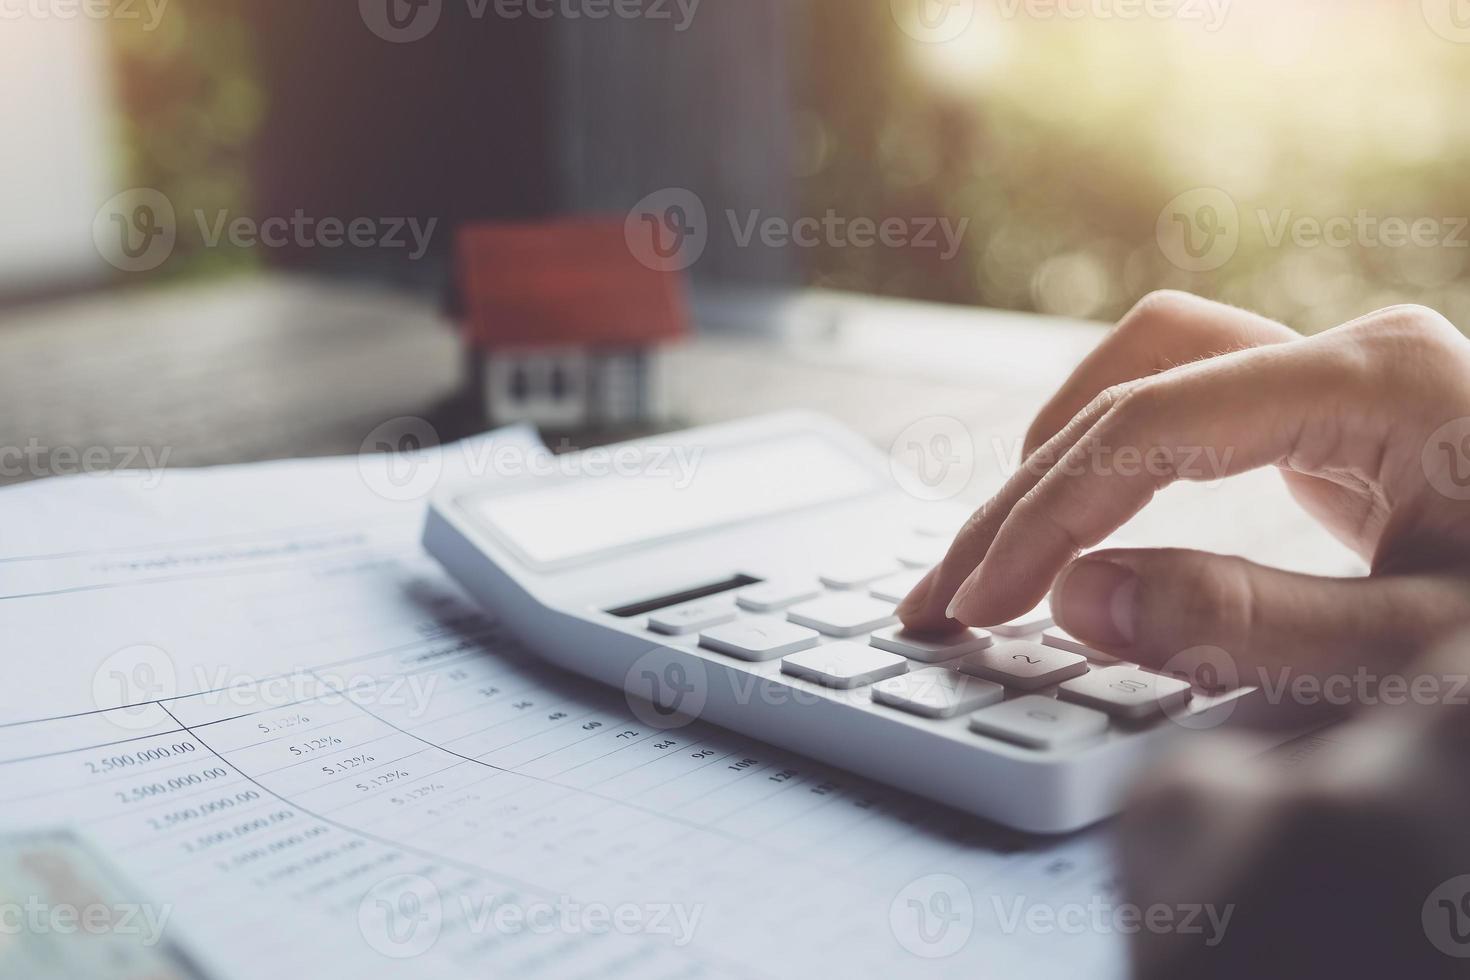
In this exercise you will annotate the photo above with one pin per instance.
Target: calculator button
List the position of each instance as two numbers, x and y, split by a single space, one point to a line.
895 588
1059 639
1024 666
1127 692
690 619
843 614
857 574
930 649
923 553
1039 723
844 665
775 596
1034 621
758 642
937 693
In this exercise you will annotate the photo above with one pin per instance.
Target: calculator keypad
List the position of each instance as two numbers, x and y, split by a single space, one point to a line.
844 665
937 693
930 649
769 597
1037 722
1127 693
1039 687
895 588
685 620
1060 639
856 575
843 614
1024 666
758 641
1034 621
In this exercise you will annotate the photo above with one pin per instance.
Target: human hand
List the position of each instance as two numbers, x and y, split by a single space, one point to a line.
1355 417
1350 861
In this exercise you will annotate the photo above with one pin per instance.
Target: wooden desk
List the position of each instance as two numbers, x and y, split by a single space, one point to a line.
267 367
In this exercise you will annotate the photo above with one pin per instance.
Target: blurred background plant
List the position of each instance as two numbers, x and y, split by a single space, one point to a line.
188 101
1065 137
1062 130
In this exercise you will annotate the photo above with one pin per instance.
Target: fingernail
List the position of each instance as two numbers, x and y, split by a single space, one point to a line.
918 595
1096 602
963 593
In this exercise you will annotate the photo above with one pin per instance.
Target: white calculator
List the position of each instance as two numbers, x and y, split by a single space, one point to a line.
747 574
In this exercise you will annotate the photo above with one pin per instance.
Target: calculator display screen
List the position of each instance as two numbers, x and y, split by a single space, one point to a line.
631 495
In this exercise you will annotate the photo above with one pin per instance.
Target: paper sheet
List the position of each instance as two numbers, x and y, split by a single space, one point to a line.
321 760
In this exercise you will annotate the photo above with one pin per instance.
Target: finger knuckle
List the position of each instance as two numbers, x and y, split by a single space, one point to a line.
1036 436
1113 397
1159 312
1041 511
1409 349
1408 328
976 522
1418 321
1142 401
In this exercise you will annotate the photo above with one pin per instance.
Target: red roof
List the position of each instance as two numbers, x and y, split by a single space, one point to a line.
568 282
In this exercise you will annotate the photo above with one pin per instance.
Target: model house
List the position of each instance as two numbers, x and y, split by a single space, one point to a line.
564 323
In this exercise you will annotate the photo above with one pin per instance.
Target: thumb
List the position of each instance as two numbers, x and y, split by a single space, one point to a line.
1149 606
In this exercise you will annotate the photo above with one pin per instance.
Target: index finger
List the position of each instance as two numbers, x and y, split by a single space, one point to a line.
1164 331
1241 412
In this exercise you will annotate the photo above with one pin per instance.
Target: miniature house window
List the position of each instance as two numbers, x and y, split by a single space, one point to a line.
566 321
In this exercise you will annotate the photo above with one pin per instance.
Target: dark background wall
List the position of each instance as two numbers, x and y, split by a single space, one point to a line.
496 118
456 126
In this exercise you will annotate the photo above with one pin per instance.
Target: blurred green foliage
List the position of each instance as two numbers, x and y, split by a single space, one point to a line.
1065 139
188 102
